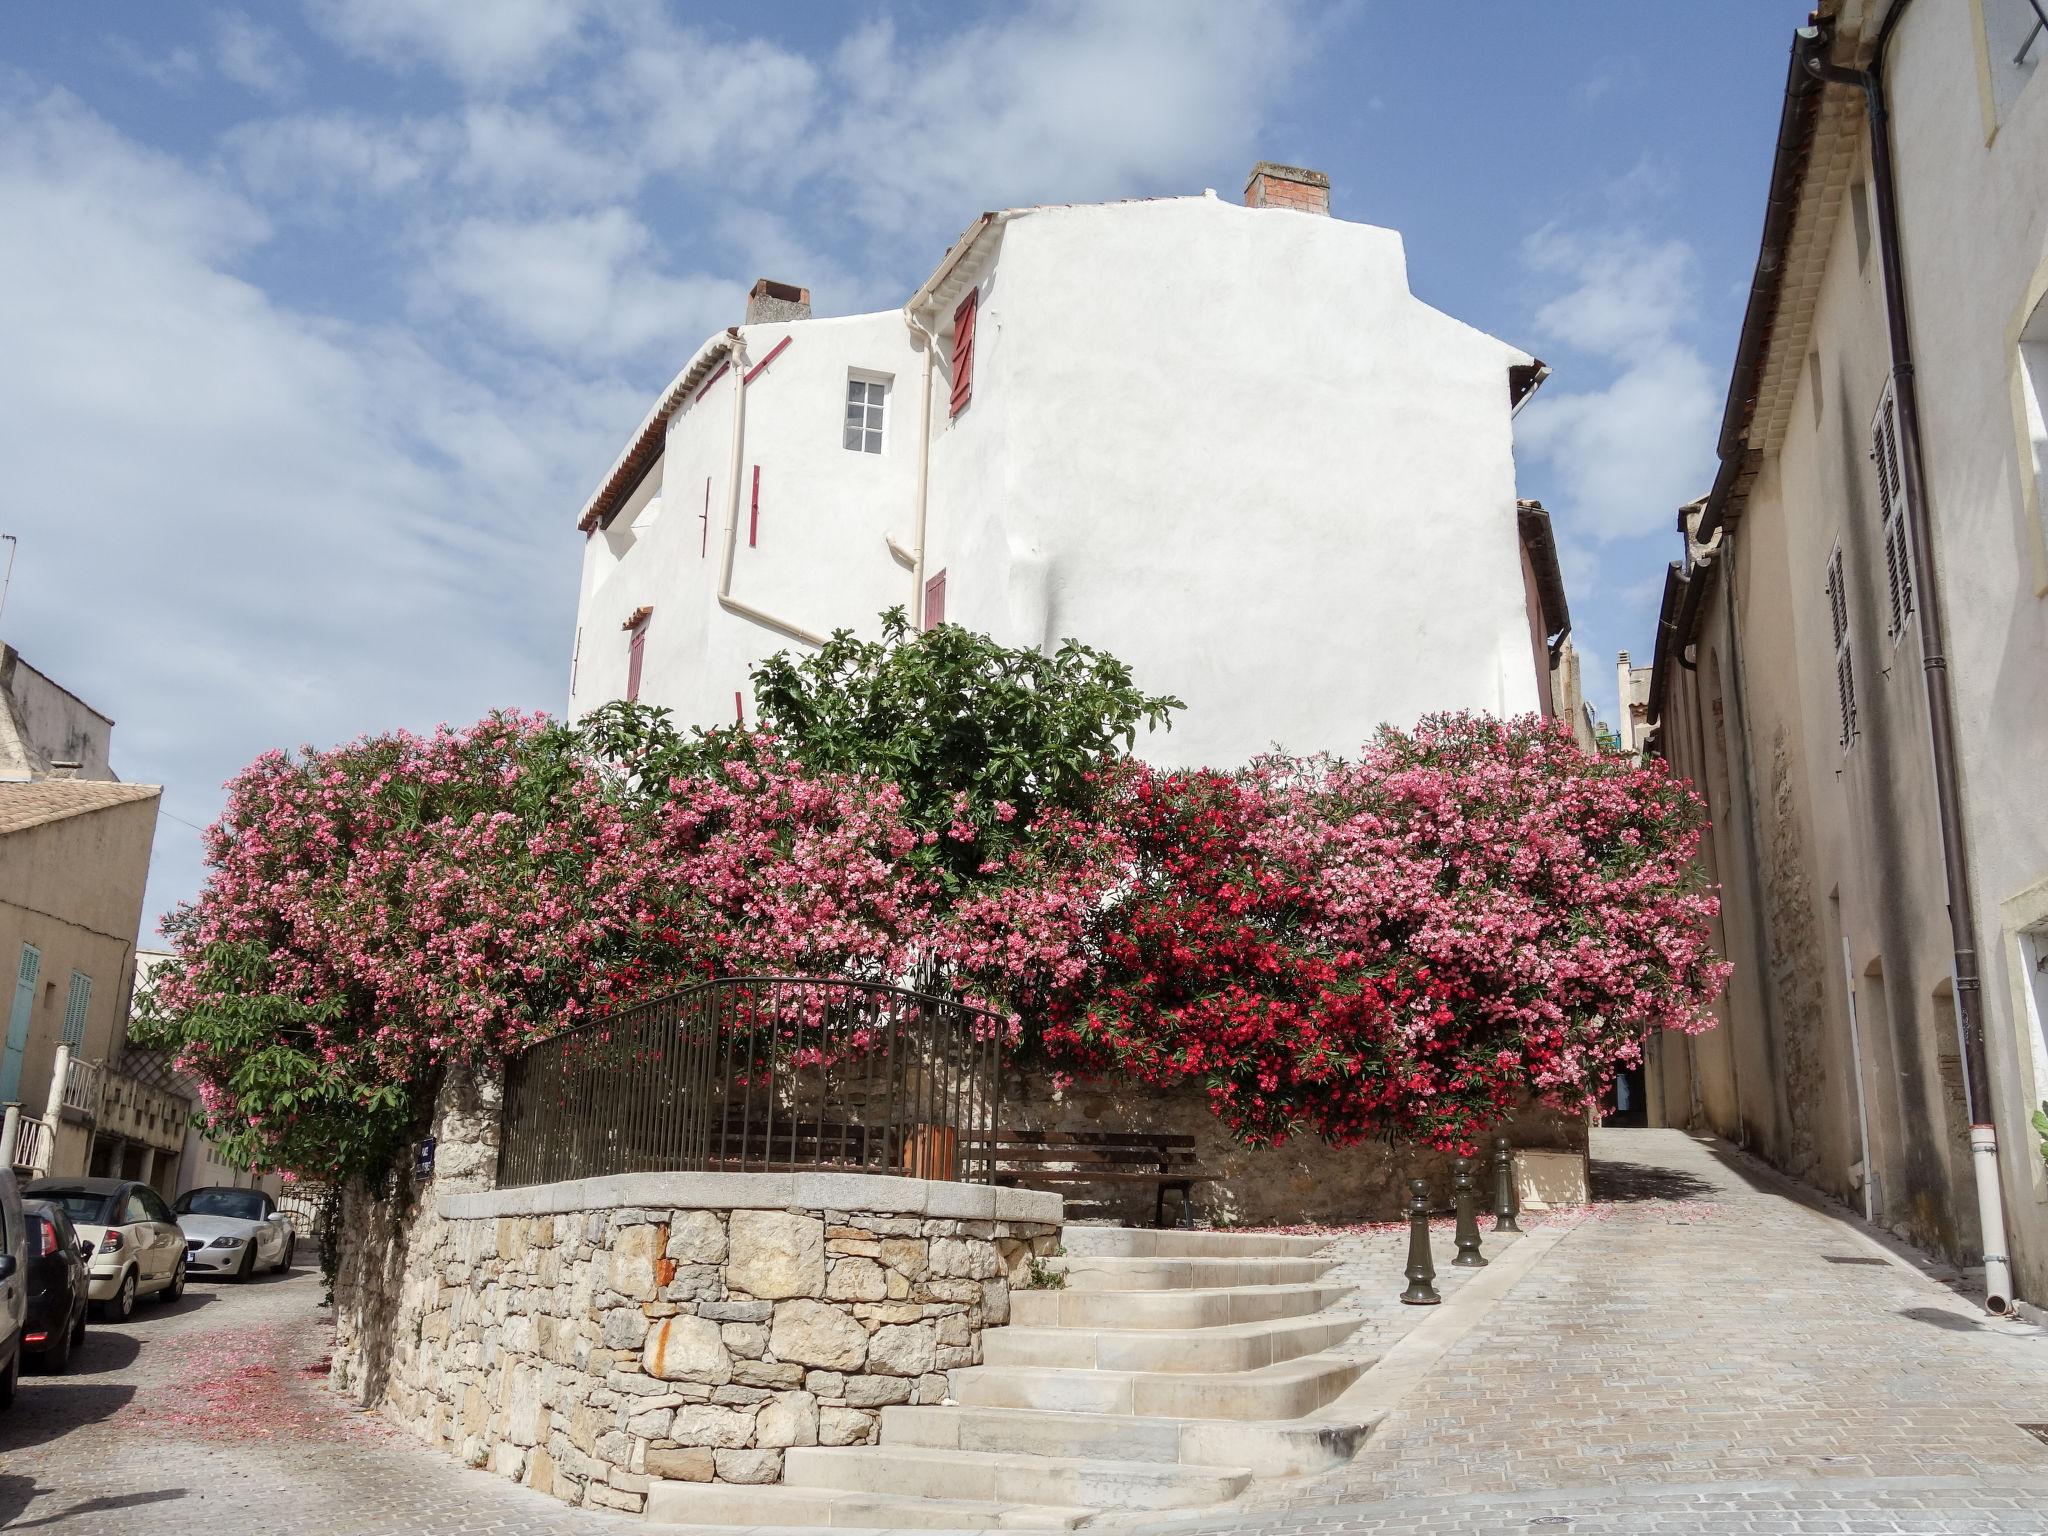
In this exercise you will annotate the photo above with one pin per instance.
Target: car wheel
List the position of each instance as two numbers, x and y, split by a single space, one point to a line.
78 1328
7 1380
122 1304
56 1360
248 1269
176 1288
284 1260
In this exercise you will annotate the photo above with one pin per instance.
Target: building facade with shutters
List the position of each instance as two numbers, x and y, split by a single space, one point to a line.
1792 680
1225 443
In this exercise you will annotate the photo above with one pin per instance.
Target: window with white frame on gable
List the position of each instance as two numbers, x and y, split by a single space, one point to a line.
866 404
1891 501
1845 671
2015 45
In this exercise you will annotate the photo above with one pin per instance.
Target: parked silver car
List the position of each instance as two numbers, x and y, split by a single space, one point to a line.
13 1283
234 1232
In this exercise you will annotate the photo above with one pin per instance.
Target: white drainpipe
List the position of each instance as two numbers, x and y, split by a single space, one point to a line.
737 354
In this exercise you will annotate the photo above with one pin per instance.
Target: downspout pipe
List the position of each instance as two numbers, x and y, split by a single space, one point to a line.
1962 905
737 355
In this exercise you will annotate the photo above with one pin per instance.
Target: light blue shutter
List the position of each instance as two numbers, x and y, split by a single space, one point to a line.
75 1008
17 1023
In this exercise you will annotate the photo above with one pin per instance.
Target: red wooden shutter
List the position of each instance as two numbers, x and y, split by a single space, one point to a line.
935 601
963 351
635 653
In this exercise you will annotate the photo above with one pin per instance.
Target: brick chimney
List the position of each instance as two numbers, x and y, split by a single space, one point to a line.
1287 186
768 301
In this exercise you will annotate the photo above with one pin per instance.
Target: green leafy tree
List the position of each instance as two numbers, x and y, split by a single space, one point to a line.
979 737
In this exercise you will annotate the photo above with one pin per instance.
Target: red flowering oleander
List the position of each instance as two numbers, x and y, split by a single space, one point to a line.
1406 944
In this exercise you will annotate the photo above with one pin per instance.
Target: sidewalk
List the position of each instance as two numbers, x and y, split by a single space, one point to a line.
1694 1357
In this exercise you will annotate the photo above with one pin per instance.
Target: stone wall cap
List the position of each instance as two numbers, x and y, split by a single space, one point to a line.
884 1194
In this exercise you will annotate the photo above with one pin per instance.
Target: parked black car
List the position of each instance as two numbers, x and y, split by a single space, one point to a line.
55 1324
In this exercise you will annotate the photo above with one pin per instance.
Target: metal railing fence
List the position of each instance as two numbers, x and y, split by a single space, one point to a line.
757 1075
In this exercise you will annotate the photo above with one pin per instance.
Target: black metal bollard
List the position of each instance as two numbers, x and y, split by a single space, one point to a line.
1507 1205
1421 1271
1468 1218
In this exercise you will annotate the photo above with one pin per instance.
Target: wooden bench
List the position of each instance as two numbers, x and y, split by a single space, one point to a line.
1050 1159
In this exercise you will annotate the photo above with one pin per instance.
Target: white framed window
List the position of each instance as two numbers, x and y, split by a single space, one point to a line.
1845 670
867 398
1891 502
2015 45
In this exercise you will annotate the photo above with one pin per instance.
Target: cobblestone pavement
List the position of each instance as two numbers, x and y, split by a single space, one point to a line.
1691 1357
213 1415
1687 1360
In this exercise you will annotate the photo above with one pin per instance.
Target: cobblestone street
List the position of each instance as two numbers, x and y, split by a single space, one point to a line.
1692 1357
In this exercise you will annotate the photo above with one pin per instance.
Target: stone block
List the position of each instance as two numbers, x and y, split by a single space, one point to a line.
652 1425
606 1497
736 1311
776 1254
845 1426
748 1466
824 1383
791 1419
777 1375
625 1328
706 1424
633 1263
696 1237
747 1340
739 1397
903 1349
812 1333
875 1391
905 1255
962 1258
540 1471
683 1464
686 1349
856 1279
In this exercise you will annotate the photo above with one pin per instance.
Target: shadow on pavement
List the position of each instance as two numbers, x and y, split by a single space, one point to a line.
1636 1182
106 1348
83 1507
1936 1317
55 1407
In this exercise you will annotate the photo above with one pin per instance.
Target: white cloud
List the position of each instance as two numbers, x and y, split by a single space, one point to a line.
529 156
254 56
487 44
309 162
1627 454
1061 102
579 285
244 525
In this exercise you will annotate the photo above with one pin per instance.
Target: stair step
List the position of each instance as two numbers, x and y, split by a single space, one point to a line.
1089 1272
1212 1308
1231 1347
1179 1243
1269 1448
996 1477
1287 1390
741 1504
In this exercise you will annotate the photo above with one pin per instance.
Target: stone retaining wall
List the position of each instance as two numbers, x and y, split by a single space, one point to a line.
588 1337
1305 1180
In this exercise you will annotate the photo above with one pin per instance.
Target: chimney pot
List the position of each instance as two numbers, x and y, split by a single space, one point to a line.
769 301
1272 185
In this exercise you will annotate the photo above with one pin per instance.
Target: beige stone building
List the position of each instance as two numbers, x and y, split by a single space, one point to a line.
1852 654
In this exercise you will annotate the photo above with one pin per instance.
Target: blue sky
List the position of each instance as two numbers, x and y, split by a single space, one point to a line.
318 321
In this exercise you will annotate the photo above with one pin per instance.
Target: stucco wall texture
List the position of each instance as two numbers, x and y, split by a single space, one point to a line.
1226 444
1840 1019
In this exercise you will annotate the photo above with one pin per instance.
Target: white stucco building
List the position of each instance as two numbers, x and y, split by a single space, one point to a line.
1224 443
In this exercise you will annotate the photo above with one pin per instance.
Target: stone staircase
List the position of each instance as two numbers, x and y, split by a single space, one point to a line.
1170 1370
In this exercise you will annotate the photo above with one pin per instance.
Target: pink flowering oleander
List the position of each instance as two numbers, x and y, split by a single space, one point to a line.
1408 943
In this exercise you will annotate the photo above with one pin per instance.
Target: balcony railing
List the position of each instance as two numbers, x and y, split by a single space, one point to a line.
30 1153
84 1083
761 1074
